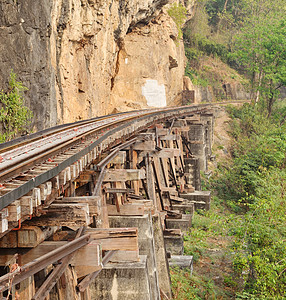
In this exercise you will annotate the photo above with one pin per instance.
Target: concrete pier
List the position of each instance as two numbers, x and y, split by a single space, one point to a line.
122 281
146 244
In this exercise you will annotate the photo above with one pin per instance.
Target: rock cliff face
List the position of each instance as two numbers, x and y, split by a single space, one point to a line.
150 67
83 58
224 83
228 90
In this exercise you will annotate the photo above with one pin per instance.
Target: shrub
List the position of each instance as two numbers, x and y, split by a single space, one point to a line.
14 115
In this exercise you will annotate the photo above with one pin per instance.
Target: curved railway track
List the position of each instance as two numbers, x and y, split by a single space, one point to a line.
29 161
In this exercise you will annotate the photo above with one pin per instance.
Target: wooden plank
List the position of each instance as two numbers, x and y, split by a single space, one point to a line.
170 137
134 161
14 211
65 214
146 145
177 199
115 238
36 197
87 259
94 202
150 181
117 175
164 153
118 190
88 255
194 118
32 236
126 210
3 220
169 189
158 180
42 249
9 240
26 205
181 128
82 271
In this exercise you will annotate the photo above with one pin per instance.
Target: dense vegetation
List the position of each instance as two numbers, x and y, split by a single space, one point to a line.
248 35
244 233
15 117
239 246
253 184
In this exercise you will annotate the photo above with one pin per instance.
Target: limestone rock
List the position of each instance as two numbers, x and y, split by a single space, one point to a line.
150 66
84 58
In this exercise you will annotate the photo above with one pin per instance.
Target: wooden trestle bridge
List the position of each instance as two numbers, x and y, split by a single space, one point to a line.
96 209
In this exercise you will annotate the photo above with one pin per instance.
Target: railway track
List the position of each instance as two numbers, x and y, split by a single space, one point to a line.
63 177
32 160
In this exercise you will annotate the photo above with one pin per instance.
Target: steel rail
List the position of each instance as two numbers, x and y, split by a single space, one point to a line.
58 128
23 140
20 191
40 263
160 114
19 164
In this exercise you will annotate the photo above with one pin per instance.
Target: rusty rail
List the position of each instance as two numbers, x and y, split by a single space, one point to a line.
23 272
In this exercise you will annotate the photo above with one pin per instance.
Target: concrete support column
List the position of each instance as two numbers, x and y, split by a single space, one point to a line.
197 143
122 281
146 244
161 257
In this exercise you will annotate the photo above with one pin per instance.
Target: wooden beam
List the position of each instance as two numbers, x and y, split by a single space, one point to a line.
116 175
88 279
169 137
55 275
32 236
118 190
150 182
64 214
88 259
115 238
42 249
177 199
163 153
94 202
134 161
146 145
26 237
181 128
126 210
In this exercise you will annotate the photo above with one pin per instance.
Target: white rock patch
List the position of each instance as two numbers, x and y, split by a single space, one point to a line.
154 93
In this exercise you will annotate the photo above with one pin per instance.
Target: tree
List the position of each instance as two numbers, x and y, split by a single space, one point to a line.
261 50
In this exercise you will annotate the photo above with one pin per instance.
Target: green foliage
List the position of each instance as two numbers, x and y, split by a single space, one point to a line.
185 286
261 50
178 14
196 76
14 115
254 183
